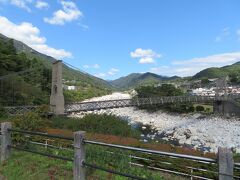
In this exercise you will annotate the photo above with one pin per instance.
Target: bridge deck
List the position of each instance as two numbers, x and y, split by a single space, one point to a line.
97 105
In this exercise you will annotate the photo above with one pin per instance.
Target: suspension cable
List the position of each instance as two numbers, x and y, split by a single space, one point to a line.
76 68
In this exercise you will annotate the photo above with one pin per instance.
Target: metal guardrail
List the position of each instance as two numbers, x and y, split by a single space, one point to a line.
135 157
113 172
40 134
41 153
195 158
86 164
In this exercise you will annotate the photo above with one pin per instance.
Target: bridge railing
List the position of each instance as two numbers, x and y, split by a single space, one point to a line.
96 105
224 165
19 110
117 103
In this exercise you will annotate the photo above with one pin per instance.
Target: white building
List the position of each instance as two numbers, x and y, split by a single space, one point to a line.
70 88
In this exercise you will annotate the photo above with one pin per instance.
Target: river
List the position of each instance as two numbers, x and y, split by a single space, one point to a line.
205 133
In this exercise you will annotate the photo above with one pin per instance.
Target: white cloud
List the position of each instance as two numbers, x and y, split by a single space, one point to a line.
100 75
146 56
113 71
70 12
21 4
177 70
24 4
159 69
95 66
213 60
30 35
86 66
41 4
146 60
224 33
83 26
194 65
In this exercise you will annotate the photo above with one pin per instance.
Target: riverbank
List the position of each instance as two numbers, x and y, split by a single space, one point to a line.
205 133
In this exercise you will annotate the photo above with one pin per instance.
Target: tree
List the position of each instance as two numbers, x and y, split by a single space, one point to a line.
164 90
199 108
234 78
32 87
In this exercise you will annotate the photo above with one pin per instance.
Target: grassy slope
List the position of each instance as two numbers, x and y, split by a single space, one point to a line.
218 72
27 166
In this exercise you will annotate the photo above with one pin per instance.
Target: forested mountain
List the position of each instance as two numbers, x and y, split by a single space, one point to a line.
68 73
233 71
31 86
138 79
34 87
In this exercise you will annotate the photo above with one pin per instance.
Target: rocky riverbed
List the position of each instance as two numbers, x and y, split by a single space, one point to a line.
197 131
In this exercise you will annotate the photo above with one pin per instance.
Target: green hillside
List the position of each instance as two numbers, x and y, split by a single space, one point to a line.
68 73
233 71
29 87
138 79
15 56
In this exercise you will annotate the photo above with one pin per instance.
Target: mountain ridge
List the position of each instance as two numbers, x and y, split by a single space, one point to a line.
217 72
137 79
68 72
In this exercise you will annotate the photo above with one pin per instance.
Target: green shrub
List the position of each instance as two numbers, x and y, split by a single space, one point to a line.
30 121
104 124
164 90
191 109
208 109
43 110
2 111
199 108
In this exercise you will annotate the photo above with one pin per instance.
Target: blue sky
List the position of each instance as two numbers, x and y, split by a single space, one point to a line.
112 38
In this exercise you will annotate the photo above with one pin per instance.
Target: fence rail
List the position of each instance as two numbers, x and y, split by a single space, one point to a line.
224 161
195 158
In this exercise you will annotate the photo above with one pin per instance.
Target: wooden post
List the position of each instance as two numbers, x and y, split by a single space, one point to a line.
5 141
79 156
225 163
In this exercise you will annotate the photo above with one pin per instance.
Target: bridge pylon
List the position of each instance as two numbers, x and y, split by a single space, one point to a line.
57 98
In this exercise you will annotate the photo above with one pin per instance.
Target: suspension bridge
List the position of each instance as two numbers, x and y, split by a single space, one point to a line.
138 102
226 104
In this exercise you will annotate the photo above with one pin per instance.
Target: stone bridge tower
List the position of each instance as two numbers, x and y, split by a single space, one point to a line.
228 106
57 98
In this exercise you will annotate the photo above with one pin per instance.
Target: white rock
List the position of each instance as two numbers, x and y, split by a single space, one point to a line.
209 131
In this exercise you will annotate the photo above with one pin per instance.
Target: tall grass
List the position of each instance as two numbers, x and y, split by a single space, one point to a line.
103 124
